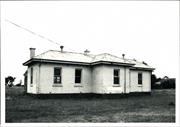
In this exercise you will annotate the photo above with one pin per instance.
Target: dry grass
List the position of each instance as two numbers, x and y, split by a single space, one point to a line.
157 107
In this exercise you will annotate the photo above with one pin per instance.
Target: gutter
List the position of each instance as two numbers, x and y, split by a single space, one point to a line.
87 64
76 63
141 68
53 61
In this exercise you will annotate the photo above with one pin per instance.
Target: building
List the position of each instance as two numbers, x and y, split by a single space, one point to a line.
62 72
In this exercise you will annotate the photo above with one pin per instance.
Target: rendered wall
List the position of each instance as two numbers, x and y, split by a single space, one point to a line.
32 88
146 82
68 79
103 79
96 79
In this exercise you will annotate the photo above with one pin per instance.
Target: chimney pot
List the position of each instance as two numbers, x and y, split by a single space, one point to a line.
32 52
61 48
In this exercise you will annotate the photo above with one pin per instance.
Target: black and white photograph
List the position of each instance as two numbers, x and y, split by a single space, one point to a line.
75 63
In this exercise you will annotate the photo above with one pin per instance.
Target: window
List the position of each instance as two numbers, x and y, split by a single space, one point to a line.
57 75
78 75
31 76
139 78
116 76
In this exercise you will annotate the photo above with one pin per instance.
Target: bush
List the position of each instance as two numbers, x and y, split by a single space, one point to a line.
168 84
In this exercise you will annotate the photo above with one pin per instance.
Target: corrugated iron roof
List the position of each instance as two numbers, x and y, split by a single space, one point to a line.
88 58
65 56
140 64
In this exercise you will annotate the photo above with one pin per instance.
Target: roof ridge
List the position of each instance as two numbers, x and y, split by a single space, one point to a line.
113 55
72 52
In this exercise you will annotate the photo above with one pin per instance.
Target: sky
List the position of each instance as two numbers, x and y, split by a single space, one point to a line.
145 30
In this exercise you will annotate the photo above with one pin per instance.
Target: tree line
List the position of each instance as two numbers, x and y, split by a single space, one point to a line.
162 83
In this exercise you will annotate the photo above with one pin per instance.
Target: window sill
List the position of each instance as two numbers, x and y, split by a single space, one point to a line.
139 85
78 86
116 86
57 85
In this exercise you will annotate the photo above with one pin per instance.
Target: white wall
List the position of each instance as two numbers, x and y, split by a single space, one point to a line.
146 82
67 82
32 88
103 79
96 79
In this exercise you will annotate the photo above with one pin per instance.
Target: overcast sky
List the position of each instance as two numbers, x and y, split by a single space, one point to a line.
145 30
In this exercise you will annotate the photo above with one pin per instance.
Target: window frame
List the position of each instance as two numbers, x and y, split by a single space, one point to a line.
116 77
60 82
140 78
78 76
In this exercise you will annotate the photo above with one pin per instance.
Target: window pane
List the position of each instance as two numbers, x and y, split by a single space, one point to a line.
31 75
78 76
57 71
139 78
116 72
57 75
116 76
57 79
78 80
78 72
116 80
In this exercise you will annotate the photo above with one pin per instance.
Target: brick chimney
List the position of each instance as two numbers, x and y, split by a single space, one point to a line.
32 52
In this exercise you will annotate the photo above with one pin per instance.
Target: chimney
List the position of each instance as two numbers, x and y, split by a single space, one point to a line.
123 55
32 52
86 52
61 48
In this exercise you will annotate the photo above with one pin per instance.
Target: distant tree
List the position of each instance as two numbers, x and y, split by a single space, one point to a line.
158 79
165 77
153 80
9 81
162 83
168 83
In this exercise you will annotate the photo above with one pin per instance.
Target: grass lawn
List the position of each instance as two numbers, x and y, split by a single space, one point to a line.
156 107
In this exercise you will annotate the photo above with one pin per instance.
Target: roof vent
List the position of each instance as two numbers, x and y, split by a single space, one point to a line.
61 48
86 52
123 55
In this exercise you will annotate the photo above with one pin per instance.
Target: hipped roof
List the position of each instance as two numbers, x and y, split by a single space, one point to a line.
55 56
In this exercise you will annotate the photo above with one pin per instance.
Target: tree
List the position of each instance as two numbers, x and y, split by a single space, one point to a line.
153 80
9 81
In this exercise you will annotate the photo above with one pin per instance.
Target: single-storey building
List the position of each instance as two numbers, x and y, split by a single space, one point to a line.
62 72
